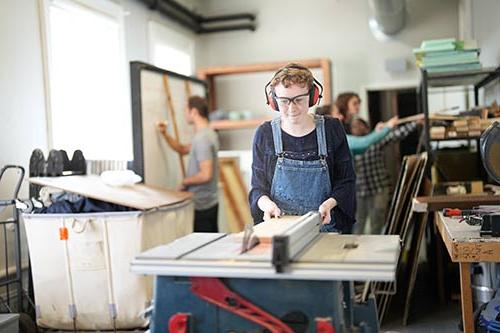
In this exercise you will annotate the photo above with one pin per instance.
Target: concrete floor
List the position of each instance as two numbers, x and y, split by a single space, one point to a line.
439 319
427 314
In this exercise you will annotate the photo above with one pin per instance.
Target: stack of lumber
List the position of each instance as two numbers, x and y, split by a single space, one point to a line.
401 221
461 128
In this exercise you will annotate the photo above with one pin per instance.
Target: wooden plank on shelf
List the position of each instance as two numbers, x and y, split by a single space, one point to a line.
227 124
210 73
204 73
464 201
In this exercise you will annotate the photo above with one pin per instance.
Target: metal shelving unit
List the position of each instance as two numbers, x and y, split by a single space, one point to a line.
475 78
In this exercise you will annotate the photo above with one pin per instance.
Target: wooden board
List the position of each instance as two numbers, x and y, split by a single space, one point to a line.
465 201
401 221
414 250
227 124
275 226
135 196
172 114
235 195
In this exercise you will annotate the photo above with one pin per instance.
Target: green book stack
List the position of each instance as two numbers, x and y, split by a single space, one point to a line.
447 55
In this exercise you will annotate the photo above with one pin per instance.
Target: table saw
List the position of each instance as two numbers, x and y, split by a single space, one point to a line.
295 280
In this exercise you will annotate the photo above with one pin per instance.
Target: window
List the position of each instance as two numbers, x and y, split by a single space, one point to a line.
170 50
89 106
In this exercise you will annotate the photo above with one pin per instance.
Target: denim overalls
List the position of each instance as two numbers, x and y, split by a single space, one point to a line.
301 186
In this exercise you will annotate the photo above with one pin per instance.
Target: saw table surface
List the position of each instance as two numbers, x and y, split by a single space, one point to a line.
327 257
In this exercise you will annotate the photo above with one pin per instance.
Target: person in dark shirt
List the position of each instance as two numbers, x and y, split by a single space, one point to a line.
301 162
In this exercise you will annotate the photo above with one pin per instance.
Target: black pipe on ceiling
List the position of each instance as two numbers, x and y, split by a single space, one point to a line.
232 17
183 20
233 27
195 22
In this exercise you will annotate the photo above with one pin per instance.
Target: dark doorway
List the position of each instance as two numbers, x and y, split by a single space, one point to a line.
384 104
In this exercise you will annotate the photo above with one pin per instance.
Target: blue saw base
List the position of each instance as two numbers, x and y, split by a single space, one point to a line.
296 302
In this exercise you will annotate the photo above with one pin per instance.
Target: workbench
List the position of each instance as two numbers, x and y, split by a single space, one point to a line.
465 246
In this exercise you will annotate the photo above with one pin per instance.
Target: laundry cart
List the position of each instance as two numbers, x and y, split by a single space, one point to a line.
80 262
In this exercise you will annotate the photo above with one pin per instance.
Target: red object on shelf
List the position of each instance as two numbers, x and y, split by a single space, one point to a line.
214 291
448 212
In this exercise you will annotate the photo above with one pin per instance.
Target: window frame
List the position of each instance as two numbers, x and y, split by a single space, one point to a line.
107 8
158 32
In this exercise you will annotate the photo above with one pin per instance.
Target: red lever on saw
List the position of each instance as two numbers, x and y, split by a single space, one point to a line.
179 323
324 325
214 291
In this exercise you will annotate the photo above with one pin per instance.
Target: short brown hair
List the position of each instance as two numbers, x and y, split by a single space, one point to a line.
293 73
200 104
342 101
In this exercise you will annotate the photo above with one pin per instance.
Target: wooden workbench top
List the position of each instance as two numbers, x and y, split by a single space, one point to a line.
464 243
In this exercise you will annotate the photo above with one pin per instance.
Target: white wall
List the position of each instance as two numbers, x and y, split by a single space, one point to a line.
337 30
486 30
22 99
22 109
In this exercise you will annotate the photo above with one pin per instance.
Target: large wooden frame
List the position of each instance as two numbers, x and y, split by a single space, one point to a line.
235 194
209 74
157 95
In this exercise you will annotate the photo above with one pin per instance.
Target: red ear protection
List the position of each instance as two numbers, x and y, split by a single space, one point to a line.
315 93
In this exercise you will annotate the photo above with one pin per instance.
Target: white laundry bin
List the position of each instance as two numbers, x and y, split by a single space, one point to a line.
80 262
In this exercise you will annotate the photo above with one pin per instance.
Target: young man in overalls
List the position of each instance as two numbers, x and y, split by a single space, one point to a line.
301 162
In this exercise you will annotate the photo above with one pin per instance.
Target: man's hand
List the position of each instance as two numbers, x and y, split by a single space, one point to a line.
162 126
391 123
380 125
325 208
180 187
269 208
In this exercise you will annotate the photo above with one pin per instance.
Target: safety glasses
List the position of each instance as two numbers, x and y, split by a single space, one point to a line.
297 100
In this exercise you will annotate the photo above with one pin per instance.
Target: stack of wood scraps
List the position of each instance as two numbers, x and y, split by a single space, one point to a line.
460 128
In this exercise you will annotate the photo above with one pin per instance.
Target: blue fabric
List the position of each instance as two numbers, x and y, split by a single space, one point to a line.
83 205
338 162
293 178
359 144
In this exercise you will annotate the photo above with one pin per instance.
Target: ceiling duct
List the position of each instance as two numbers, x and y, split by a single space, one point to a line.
387 17
201 24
